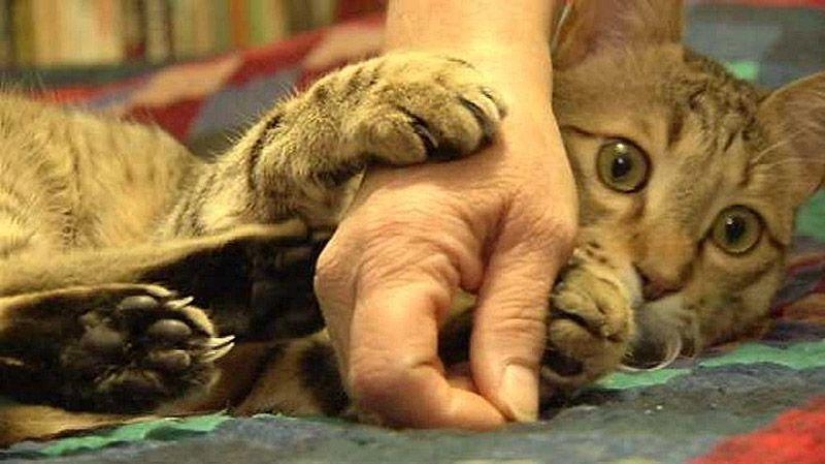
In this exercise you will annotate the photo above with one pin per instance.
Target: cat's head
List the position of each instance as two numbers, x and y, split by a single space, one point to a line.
689 178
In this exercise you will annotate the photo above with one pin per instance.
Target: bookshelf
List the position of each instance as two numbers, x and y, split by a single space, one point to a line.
54 34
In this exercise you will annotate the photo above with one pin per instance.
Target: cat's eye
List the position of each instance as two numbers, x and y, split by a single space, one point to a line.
737 230
622 166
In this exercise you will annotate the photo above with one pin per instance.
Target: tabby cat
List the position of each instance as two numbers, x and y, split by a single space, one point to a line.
113 236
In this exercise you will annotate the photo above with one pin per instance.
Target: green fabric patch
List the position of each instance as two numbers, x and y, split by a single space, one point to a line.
163 429
747 70
811 218
799 356
627 380
635 461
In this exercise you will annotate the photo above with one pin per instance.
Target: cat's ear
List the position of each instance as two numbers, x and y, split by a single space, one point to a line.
794 118
590 26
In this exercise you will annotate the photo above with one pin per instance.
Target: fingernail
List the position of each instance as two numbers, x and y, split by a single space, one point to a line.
519 392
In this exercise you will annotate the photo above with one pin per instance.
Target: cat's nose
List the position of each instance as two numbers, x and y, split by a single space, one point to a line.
655 285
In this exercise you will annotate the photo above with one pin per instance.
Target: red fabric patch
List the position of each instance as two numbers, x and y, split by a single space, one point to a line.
176 118
348 9
796 437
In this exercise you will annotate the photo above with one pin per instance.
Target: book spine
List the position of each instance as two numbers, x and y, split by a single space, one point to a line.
222 21
183 28
269 21
6 34
45 28
134 29
79 30
239 17
300 15
157 17
323 12
204 29
109 31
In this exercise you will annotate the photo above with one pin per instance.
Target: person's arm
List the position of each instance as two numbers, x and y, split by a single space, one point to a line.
499 223
511 42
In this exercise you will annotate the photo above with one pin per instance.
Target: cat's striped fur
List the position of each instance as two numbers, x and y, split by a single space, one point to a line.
107 227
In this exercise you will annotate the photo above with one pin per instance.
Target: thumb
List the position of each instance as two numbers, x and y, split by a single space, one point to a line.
394 368
510 324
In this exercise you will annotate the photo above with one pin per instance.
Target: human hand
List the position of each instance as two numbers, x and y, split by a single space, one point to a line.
499 224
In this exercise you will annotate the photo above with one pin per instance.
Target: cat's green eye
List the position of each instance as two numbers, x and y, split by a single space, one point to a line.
737 230
622 166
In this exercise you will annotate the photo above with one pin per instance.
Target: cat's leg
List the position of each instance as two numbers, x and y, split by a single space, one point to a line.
112 347
299 378
118 347
255 280
301 158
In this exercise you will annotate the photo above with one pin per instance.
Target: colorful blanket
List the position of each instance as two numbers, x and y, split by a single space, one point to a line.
758 401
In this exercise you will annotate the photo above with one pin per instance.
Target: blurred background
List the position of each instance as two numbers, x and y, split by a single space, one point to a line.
79 33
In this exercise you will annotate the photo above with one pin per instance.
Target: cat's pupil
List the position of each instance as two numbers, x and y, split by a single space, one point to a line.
622 165
734 228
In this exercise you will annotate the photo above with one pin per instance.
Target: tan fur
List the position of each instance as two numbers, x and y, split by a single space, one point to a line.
290 394
92 212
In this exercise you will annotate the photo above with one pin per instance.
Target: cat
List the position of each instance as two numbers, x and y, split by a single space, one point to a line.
133 273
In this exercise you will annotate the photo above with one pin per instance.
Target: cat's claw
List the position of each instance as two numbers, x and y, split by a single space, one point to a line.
180 303
220 342
218 352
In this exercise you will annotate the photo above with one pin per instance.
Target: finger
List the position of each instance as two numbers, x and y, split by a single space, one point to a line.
394 370
509 329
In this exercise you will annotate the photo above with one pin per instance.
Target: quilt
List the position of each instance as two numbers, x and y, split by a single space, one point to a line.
755 401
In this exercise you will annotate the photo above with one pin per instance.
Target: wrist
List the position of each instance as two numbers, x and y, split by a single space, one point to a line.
439 24
511 45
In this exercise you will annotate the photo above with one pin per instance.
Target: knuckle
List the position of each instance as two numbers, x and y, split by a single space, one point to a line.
523 328
563 232
329 271
547 226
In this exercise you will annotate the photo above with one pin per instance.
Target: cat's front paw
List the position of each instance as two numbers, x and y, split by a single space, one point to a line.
138 351
415 107
589 328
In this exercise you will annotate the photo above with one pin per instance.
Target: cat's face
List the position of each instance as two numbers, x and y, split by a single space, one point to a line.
688 178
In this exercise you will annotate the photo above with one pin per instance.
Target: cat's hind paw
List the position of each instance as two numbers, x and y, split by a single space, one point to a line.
139 352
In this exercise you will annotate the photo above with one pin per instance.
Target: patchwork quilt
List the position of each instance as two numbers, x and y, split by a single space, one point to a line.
755 401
